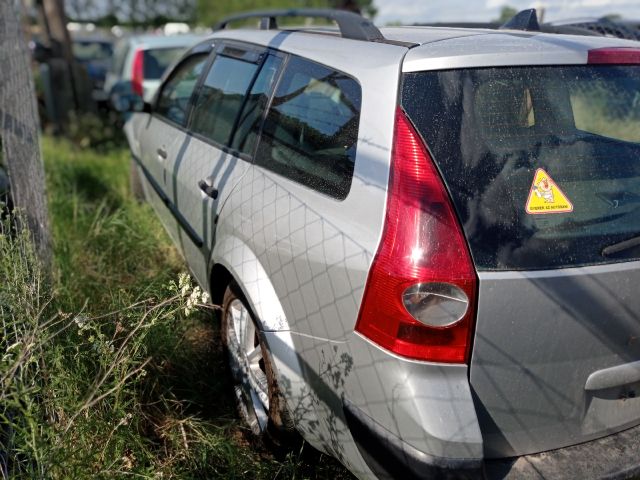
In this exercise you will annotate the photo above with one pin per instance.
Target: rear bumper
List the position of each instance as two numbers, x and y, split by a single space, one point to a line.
616 456
388 457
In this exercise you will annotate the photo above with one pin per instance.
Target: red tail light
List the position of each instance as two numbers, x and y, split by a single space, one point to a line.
617 55
420 297
137 76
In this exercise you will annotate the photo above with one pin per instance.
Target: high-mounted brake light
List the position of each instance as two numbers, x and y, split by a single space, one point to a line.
616 55
137 76
420 298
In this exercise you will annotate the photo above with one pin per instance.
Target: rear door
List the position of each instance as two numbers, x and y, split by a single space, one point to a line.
543 167
217 153
162 135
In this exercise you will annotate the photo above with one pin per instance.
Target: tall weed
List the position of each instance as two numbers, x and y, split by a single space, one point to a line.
110 367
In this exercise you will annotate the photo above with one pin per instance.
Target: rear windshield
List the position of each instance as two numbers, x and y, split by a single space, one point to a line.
542 163
157 60
86 50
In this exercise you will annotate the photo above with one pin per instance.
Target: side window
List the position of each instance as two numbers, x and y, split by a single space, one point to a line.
221 98
246 134
311 130
174 99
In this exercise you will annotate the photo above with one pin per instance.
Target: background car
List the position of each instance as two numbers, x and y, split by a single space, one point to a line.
424 240
140 60
94 53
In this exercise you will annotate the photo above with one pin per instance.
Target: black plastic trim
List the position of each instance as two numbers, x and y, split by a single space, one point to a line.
184 224
526 20
351 25
389 457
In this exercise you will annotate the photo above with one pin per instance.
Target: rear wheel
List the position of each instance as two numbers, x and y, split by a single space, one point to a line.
258 396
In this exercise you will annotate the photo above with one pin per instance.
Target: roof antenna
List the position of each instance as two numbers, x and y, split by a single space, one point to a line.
525 20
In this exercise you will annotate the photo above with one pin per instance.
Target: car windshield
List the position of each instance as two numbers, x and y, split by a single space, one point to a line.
85 51
157 60
542 163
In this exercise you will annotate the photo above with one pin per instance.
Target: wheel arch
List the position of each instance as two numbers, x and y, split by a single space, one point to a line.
233 260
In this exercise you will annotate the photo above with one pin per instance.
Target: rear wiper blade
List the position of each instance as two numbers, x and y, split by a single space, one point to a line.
621 246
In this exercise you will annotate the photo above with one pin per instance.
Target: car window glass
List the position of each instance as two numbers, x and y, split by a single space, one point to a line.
87 50
246 134
157 60
542 163
221 97
311 130
607 107
173 101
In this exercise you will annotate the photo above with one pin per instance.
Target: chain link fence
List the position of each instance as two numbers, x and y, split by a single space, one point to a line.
21 162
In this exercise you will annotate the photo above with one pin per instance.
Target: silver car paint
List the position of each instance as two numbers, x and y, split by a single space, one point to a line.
199 160
302 260
156 134
532 358
508 48
310 253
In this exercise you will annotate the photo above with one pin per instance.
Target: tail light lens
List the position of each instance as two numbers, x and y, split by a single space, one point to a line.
137 76
420 298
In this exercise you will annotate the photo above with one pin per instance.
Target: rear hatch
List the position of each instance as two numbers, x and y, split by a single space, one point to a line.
543 167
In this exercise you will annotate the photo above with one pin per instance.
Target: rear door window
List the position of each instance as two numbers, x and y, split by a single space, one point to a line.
311 129
221 97
542 163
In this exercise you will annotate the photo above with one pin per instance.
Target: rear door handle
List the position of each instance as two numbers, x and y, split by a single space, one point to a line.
162 153
208 189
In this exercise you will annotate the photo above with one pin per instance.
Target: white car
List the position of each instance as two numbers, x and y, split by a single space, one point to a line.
140 60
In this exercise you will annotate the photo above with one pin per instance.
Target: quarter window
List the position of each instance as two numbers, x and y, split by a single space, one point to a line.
221 98
311 130
174 99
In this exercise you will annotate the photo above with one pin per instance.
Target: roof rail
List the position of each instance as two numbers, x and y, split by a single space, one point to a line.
525 20
351 25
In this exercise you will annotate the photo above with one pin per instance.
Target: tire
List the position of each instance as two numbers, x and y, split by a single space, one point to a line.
137 190
260 401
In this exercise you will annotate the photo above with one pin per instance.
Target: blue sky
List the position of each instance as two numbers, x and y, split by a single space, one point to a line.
410 11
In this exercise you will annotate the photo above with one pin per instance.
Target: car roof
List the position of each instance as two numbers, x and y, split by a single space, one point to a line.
491 48
164 41
436 48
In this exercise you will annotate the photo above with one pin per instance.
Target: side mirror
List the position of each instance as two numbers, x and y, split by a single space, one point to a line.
130 103
125 100
40 52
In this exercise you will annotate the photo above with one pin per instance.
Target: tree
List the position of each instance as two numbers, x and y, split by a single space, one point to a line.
136 13
506 14
209 13
19 130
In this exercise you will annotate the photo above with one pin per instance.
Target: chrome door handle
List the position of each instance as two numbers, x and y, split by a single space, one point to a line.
162 153
209 190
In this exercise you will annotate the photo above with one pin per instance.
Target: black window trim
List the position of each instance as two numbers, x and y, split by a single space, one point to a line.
263 53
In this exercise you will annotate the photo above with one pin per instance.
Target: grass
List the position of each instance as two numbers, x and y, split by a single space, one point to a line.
102 373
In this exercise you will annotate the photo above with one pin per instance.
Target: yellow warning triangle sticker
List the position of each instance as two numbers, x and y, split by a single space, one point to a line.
545 196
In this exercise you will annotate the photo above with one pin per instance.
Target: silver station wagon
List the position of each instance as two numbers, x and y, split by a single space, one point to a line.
425 240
